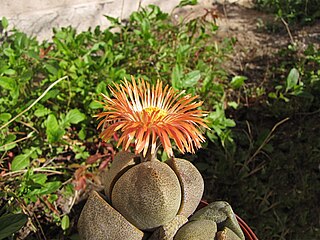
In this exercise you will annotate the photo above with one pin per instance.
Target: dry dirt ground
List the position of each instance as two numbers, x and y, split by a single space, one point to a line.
258 35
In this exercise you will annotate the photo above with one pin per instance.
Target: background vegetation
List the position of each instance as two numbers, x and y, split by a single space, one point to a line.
294 11
263 158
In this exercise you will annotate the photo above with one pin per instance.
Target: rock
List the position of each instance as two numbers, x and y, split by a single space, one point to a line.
221 213
227 234
197 230
98 220
120 164
191 182
167 231
148 195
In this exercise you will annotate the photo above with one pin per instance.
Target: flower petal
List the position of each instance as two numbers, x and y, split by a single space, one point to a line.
147 114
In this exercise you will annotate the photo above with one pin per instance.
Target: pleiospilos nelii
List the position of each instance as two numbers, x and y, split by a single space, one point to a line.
145 194
197 230
150 194
221 213
99 220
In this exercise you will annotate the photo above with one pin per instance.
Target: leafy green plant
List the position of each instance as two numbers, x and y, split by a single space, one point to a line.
292 87
48 143
298 91
292 10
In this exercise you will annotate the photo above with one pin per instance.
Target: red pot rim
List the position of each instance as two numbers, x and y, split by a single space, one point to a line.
247 231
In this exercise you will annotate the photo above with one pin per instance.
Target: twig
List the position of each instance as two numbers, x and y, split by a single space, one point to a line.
288 30
258 168
70 94
29 126
266 140
34 103
19 140
249 130
310 113
75 196
48 162
46 170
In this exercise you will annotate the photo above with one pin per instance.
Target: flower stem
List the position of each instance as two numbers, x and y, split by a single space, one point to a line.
149 156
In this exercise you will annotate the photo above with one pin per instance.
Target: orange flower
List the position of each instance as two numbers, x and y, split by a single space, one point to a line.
152 113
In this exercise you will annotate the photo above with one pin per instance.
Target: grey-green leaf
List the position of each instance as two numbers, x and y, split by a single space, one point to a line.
39 178
20 162
4 22
176 77
10 223
192 79
47 188
237 81
74 116
51 69
65 222
4 117
292 79
8 83
9 72
95 105
42 111
187 3
53 130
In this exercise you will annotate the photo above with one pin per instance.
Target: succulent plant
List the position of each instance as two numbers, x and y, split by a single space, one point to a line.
150 193
99 220
142 193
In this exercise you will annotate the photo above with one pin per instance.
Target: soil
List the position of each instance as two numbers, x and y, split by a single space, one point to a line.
259 39
258 35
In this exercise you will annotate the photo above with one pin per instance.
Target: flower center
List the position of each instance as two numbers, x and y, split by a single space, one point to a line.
161 113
